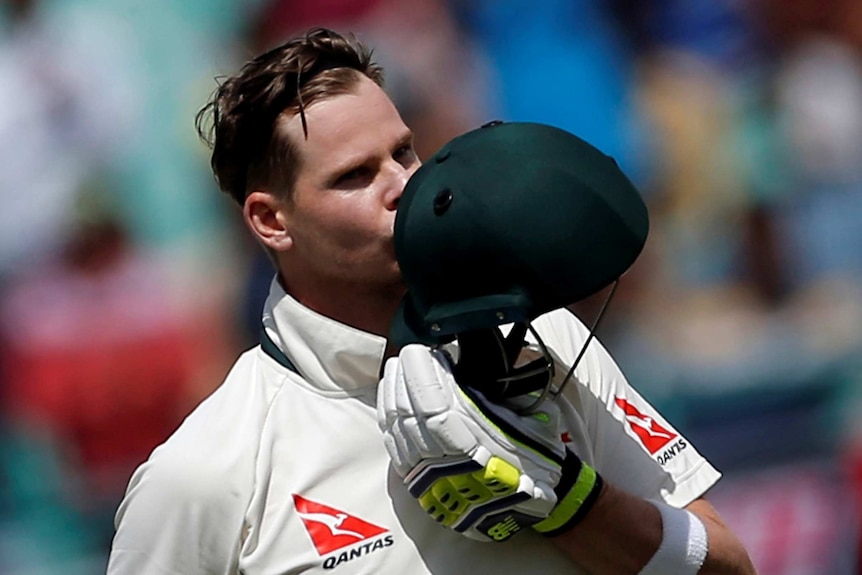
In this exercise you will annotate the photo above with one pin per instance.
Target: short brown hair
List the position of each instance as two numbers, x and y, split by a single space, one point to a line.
248 152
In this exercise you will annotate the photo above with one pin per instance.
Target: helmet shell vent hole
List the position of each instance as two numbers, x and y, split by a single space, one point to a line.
442 201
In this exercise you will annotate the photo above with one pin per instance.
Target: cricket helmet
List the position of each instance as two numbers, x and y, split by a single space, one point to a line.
507 222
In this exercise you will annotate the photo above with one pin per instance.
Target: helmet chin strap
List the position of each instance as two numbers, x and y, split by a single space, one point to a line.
488 362
593 328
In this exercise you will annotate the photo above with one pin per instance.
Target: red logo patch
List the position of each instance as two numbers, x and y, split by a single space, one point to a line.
330 528
651 434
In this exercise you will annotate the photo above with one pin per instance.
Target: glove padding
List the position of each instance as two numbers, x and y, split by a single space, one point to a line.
475 466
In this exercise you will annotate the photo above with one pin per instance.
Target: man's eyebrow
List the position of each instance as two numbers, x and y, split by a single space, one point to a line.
348 164
406 138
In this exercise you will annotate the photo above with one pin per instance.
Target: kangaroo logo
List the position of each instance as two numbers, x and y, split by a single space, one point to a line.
332 522
646 423
652 435
331 528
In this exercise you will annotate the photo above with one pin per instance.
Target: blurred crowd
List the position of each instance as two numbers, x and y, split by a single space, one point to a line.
127 285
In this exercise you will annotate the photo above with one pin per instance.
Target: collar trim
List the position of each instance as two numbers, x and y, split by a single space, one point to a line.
269 348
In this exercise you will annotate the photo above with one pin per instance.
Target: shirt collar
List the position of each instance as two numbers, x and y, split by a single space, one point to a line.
329 355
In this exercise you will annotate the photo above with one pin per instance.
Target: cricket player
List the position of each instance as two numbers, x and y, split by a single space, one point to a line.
335 446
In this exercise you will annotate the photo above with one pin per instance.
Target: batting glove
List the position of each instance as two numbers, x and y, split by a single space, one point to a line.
474 466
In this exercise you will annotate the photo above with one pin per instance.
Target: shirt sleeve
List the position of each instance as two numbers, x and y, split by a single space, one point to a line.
176 519
615 429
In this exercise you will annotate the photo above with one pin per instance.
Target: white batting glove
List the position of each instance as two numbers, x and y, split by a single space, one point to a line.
474 466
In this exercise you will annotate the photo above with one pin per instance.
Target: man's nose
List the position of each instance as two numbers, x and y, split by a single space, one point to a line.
399 176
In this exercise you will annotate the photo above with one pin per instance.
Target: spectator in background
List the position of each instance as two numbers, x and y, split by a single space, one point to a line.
817 84
818 105
67 106
98 358
755 191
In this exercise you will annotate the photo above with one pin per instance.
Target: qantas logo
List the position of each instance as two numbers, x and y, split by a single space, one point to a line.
653 436
332 523
331 529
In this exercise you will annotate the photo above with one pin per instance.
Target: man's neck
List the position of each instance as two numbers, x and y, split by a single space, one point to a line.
369 312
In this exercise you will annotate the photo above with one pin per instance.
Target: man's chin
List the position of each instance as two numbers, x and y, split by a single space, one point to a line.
398 286
395 285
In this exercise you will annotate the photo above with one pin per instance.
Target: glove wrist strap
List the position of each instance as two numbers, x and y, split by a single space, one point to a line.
577 492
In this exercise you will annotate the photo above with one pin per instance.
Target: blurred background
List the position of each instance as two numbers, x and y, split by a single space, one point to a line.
128 286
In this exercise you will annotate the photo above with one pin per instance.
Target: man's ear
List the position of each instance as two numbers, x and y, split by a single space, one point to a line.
266 217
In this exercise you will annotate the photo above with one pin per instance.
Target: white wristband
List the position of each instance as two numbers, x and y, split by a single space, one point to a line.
683 546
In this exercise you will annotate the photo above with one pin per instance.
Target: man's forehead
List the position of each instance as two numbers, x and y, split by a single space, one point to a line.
344 124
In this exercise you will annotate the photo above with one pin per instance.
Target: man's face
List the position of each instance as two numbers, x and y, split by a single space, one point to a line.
353 168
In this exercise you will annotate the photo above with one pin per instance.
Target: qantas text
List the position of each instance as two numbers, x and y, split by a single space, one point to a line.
357 551
672 451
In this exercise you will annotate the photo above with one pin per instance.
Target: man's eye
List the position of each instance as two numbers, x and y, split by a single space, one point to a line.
352 175
405 151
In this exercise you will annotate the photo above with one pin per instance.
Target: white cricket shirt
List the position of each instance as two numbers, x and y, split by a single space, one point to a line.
280 472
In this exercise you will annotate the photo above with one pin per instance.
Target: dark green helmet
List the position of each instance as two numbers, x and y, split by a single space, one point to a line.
507 222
